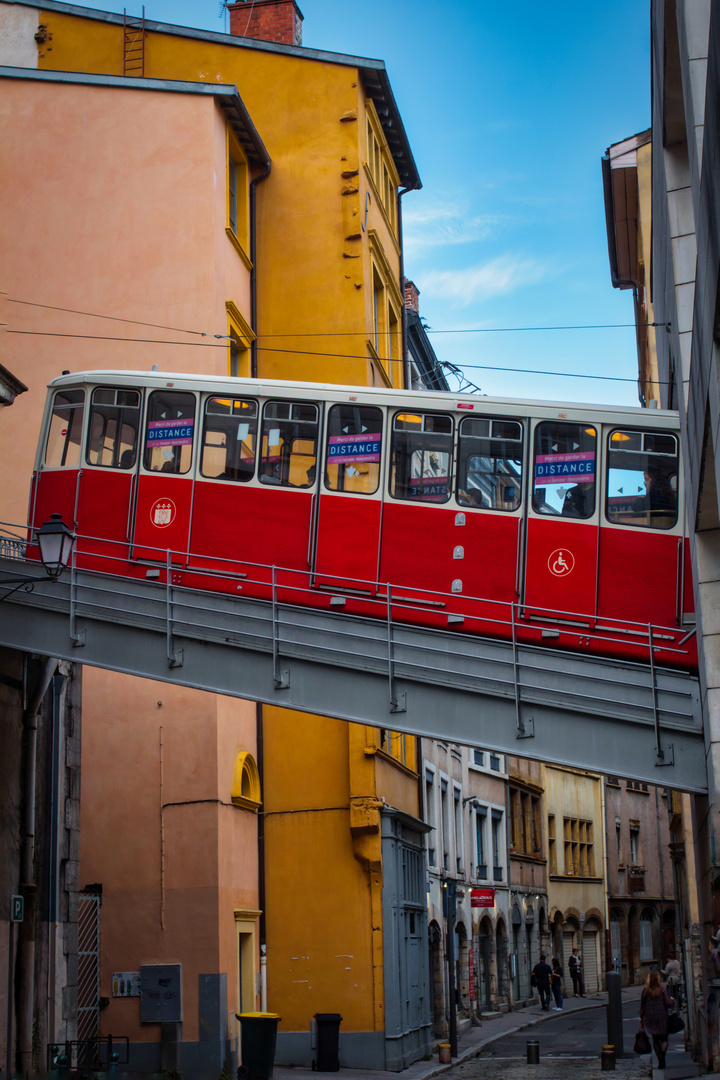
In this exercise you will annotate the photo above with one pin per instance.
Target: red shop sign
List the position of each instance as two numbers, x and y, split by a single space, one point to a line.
482 898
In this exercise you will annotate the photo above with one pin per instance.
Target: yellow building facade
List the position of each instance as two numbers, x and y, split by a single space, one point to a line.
575 829
337 927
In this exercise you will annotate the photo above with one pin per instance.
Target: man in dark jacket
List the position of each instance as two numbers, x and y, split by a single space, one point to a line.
576 974
542 973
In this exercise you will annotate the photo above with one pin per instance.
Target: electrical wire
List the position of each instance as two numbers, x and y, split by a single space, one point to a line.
328 355
341 333
339 356
103 337
112 318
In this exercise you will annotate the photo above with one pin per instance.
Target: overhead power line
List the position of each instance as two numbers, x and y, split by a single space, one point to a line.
337 333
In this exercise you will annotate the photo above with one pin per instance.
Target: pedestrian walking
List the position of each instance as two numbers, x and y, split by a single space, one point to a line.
576 974
556 983
673 977
655 1003
542 973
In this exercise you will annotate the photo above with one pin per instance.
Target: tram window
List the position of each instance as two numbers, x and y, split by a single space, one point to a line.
564 480
170 430
490 456
422 454
642 472
352 456
114 426
289 444
229 439
65 434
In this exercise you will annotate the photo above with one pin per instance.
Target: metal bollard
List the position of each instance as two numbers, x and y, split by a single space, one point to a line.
607 1058
533 1052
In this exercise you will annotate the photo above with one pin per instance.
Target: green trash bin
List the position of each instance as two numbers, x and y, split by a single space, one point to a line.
258 1034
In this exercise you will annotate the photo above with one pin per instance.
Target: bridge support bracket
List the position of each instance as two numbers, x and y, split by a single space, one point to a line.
78 639
398 703
281 679
665 755
525 728
175 659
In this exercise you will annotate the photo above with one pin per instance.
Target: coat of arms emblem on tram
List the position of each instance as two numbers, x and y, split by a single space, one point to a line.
162 513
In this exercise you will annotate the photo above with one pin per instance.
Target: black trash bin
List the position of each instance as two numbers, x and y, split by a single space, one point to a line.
328 1042
258 1034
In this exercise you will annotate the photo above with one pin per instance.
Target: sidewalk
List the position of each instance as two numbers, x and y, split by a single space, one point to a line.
470 1042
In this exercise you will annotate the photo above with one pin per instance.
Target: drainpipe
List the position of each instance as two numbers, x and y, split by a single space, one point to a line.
253 273
261 857
25 972
54 859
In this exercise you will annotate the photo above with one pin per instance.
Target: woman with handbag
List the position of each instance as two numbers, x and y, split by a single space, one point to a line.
655 1004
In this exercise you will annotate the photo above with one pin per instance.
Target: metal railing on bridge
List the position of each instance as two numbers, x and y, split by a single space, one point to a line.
359 652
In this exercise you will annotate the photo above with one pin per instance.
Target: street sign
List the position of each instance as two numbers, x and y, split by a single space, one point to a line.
17 908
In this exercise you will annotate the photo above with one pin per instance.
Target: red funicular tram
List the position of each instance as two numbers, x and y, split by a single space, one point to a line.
563 525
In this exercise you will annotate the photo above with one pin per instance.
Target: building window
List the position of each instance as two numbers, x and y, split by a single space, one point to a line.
380 168
457 811
552 849
385 344
444 823
238 221
496 825
478 757
645 937
635 843
525 827
480 843
246 782
430 811
495 763
240 338
579 847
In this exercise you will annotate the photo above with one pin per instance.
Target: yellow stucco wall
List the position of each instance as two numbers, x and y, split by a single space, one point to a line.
315 295
576 795
317 255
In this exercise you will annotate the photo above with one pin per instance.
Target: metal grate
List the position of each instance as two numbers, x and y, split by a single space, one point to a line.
88 966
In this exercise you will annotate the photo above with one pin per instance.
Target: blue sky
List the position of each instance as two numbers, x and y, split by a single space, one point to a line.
508 108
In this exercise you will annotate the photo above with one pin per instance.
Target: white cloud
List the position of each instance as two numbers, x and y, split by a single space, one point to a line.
498 277
446 225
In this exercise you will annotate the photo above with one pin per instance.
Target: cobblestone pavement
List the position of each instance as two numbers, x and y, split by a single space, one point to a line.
565 1068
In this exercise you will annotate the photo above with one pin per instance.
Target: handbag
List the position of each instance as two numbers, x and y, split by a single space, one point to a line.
533 980
642 1043
675 1023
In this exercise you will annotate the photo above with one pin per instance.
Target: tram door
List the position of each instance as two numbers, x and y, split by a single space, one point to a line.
164 486
108 477
350 500
562 532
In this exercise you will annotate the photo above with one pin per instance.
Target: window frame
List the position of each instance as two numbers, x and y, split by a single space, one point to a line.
461 472
391 469
292 403
609 451
202 445
78 408
147 449
91 409
237 226
364 406
539 426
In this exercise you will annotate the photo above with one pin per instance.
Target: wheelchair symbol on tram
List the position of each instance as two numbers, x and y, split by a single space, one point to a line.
561 562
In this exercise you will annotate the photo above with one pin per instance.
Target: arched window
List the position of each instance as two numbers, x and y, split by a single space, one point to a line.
646 936
246 782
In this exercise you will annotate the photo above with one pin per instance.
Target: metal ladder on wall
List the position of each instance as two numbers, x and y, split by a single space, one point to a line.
133 44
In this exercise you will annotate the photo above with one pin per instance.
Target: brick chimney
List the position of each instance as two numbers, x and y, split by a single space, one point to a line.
412 296
267 20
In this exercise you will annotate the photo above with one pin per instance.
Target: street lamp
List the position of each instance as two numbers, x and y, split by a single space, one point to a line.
55 542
